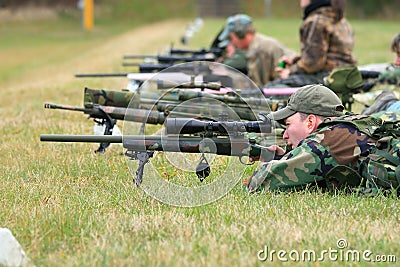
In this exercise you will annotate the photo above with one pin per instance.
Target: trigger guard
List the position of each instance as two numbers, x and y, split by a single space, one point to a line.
251 162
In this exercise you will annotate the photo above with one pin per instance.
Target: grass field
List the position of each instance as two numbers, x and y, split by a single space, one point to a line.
68 206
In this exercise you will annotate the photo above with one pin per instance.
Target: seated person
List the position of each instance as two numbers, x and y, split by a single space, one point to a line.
326 39
262 53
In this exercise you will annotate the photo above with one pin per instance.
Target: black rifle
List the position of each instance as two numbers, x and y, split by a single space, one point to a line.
181 51
173 59
216 51
222 138
192 68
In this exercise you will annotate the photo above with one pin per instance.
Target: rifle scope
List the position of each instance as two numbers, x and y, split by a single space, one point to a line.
192 126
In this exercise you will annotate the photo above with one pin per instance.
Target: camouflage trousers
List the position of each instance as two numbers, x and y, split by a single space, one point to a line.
298 80
382 102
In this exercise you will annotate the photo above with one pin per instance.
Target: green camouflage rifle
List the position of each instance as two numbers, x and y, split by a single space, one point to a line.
172 97
106 107
183 135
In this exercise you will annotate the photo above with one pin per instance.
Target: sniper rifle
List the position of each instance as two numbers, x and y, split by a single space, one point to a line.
217 52
174 59
226 138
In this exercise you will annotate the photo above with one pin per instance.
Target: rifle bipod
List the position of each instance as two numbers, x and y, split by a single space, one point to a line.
109 123
143 157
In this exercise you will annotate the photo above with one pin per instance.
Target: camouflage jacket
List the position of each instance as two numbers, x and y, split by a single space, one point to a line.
391 75
325 44
263 56
315 156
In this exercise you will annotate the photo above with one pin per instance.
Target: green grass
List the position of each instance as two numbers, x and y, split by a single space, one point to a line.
68 206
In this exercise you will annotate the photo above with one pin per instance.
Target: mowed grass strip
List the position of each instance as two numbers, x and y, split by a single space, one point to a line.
68 206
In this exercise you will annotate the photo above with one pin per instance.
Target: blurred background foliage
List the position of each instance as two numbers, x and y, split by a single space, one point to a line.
154 10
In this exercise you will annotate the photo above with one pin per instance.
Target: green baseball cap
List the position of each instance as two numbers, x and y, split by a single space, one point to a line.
311 99
236 23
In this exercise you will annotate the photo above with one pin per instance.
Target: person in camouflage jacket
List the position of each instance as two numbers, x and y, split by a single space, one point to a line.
389 80
326 42
261 53
395 47
315 150
391 74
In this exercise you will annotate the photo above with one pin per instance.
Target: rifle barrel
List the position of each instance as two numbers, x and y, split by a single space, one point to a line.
118 113
131 64
66 107
80 138
139 56
203 51
85 75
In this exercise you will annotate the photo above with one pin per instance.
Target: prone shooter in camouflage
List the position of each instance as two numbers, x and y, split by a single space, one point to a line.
319 140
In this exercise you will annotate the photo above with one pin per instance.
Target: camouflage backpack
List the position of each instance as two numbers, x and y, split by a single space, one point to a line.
380 169
345 81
